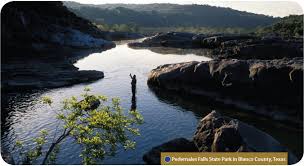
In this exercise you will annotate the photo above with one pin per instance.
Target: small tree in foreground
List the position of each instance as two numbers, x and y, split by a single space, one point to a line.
99 129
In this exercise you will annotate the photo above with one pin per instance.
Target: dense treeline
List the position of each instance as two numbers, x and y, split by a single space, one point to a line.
290 26
197 30
170 15
118 27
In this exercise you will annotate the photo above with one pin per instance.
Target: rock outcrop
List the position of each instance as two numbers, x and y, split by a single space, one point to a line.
272 88
171 39
21 75
38 44
217 133
188 40
264 48
27 24
227 46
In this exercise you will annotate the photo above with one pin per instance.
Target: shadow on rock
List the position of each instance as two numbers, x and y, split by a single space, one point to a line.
217 133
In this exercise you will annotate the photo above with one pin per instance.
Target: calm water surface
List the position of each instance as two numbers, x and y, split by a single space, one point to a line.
165 118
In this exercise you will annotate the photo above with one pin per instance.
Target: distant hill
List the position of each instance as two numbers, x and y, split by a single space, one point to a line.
169 15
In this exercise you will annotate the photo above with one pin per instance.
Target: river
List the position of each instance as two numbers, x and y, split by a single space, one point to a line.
165 117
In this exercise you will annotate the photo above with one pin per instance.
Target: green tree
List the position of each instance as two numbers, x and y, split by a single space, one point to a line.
98 125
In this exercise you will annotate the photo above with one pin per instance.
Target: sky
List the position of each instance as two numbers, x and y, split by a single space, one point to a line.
273 8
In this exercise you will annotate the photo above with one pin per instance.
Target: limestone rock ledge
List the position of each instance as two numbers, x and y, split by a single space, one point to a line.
273 88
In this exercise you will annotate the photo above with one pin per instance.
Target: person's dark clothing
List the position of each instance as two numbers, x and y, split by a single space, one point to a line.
133 83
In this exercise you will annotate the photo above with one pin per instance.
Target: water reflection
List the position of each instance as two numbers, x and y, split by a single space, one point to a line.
178 51
162 121
133 101
167 116
201 106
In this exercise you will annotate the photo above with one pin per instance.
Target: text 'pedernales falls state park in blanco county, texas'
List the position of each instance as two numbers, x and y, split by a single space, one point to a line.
116 83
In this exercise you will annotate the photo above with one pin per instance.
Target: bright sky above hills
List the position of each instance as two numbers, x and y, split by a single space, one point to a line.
272 8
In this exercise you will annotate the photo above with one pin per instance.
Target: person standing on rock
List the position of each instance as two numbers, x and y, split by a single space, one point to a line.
133 83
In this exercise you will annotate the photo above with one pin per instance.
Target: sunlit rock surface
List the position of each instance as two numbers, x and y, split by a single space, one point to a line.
273 88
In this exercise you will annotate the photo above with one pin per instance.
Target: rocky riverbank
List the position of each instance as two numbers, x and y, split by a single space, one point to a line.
263 75
20 75
226 46
273 88
217 133
42 40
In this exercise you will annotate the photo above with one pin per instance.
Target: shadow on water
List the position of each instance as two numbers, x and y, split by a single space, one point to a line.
16 99
12 102
179 51
287 134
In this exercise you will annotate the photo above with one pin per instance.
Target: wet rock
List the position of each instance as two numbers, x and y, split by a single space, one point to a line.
176 145
274 85
218 133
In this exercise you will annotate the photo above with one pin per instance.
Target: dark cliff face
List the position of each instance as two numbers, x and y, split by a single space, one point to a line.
24 24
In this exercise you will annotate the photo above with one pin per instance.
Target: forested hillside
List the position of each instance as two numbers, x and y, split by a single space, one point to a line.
169 15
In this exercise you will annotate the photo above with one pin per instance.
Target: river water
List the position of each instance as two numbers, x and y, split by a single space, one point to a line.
165 116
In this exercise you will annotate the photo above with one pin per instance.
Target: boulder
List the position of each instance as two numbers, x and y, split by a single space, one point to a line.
274 85
218 133
227 139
